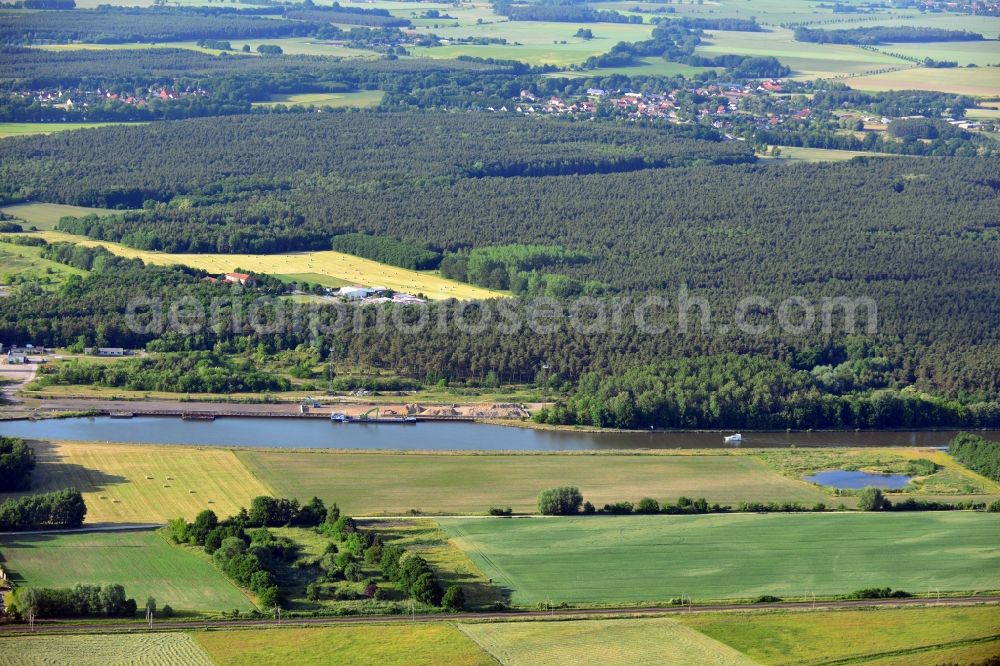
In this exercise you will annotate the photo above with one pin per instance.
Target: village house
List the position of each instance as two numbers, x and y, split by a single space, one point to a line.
240 278
17 359
110 351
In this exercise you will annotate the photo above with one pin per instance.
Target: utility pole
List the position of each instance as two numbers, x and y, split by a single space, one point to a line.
545 382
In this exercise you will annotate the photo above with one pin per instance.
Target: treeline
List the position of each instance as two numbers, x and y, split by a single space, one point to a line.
891 103
196 372
883 34
17 462
377 18
79 601
750 392
721 23
925 128
36 68
560 13
569 501
119 26
977 453
63 509
386 250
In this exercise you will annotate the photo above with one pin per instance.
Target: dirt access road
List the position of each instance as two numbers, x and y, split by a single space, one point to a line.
49 626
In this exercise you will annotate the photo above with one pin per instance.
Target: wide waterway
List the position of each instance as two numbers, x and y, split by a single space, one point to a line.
320 433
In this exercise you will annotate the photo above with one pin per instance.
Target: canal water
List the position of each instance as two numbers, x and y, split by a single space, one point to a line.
441 436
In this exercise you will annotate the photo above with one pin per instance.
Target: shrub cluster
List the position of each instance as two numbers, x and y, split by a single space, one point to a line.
80 601
17 461
976 453
249 558
877 593
63 509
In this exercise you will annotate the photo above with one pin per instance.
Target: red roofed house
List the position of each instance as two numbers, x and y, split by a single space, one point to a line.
240 278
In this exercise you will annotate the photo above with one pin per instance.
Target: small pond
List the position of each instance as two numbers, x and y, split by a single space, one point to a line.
844 479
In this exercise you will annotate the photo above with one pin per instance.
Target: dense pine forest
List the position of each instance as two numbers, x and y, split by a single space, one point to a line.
915 235
605 207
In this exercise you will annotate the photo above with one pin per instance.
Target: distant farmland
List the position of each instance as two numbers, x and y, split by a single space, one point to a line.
655 558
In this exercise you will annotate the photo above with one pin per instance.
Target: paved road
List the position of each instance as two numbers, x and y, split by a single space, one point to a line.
52 626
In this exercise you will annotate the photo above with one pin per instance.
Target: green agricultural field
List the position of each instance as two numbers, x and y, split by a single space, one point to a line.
153 649
45 215
146 483
144 562
28 129
378 645
796 154
988 26
976 81
807 61
627 641
603 560
25 263
355 270
453 567
534 42
978 53
471 483
363 99
911 635
290 45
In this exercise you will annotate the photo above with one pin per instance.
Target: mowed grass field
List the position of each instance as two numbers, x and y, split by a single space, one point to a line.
977 81
46 215
438 483
146 483
143 562
27 129
349 268
362 99
796 154
631 641
377 645
877 635
655 558
153 649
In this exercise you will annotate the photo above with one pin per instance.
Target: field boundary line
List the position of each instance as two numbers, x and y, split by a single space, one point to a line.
902 652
